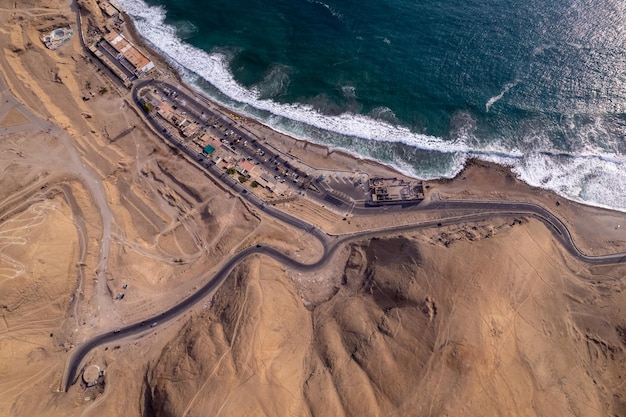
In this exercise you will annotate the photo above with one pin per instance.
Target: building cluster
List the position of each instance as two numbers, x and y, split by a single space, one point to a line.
222 154
384 191
185 126
203 138
117 53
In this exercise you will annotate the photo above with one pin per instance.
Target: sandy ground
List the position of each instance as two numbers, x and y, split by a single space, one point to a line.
488 326
484 319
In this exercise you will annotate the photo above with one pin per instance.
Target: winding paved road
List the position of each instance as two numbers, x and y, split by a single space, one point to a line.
476 211
490 209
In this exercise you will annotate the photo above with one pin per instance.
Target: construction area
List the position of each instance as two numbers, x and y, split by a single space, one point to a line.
384 191
57 38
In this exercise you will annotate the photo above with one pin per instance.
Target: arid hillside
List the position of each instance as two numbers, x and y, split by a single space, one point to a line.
490 320
104 225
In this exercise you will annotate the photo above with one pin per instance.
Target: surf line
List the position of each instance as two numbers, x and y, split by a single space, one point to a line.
505 90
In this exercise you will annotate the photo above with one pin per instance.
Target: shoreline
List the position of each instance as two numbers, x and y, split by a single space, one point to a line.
163 63
119 237
165 67
499 176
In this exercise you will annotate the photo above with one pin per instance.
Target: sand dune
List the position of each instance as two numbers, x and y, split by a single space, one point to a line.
505 325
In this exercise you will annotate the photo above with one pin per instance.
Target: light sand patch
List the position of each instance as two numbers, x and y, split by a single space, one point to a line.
13 118
42 241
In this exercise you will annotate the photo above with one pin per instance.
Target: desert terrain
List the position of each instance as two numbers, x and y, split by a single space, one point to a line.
478 318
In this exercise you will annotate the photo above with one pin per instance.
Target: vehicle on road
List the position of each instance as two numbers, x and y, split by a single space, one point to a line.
154 324
117 330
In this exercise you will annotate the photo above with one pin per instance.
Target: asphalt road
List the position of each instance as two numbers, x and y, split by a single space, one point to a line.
331 244
476 211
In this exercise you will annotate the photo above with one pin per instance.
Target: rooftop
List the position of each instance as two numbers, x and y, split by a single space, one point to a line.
133 55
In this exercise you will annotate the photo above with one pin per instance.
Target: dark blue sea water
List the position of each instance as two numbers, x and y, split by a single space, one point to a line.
539 85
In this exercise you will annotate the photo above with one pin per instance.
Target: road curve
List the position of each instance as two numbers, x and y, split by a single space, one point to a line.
489 210
477 211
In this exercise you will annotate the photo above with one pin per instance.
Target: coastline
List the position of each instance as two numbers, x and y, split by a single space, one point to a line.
325 156
107 225
477 179
544 181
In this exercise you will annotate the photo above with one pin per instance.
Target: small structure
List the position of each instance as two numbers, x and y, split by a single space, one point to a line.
383 191
265 180
205 140
58 37
244 167
109 9
188 128
91 375
165 111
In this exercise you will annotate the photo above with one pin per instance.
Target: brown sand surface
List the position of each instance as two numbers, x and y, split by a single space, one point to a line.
474 319
489 326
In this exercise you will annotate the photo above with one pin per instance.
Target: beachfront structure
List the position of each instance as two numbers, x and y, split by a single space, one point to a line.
383 191
127 52
109 9
57 37
266 180
244 167
121 57
186 127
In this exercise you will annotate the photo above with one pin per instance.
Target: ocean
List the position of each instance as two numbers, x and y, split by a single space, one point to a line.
422 85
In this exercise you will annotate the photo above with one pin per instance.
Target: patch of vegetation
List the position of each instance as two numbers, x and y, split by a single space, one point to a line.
254 184
231 171
242 179
147 107
103 90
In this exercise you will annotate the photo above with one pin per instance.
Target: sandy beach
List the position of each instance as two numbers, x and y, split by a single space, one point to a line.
477 318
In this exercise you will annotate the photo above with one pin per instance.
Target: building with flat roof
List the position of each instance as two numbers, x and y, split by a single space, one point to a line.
244 167
266 180
129 52
108 9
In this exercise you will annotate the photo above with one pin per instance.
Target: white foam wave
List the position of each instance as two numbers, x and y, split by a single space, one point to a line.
384 113
332 11
185 29
348 91
505 90
274 83
593 178
213 68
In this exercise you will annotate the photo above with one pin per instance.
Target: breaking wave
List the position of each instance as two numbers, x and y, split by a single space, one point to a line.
588 177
